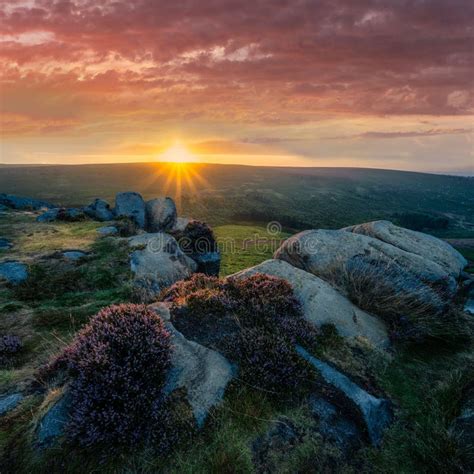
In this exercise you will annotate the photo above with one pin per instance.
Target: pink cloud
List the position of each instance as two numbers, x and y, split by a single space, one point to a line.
268 61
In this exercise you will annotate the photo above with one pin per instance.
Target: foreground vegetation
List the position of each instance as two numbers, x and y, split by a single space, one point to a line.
425 381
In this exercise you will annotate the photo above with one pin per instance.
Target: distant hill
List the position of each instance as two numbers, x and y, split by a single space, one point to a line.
298 198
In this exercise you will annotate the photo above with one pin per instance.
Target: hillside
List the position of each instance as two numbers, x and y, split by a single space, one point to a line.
298 198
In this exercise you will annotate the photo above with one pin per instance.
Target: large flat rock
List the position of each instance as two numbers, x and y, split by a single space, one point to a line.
417 243
322 304
325 252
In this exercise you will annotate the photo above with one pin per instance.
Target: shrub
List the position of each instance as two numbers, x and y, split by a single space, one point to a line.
10 346
412 309
196 238
126 227
255 322
268 361
118 364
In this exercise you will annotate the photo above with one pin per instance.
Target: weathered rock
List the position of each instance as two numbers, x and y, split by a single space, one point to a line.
99 210
417 243
208 263
9 402
53 423
203 372
325 252
332 436
322 304
161 214
108 230
131 205
5 244
23 203
159 262
13 272
72 214
74 254
48 216
376 412
333 426
181 223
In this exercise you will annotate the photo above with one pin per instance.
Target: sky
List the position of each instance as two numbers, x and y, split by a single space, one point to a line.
366 83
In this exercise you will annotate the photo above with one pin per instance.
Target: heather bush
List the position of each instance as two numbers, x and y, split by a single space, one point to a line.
269 361
10 346
255 322
118 364
126 226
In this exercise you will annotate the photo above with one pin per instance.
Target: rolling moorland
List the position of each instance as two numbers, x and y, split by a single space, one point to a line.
426 381
298 198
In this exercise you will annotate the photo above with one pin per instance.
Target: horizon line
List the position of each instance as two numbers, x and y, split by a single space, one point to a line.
458 174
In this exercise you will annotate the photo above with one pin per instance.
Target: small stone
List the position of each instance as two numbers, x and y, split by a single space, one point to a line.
53 423
9 402
74 254
108 230
48 216
99 210
14 272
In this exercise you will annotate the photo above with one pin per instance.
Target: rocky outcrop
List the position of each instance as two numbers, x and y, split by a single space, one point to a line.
13 272
204 373
322 304
9 402
131 205
417 243
99 210
376 412
326 252
157 262
24 203
161 214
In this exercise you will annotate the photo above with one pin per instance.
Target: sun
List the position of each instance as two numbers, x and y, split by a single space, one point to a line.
177 153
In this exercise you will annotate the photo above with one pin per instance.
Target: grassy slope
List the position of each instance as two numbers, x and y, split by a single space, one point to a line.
425 384
299 198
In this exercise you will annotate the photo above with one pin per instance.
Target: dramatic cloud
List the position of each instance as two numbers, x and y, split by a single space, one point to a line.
88 67
408 134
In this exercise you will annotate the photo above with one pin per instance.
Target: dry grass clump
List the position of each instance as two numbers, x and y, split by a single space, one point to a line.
414 310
